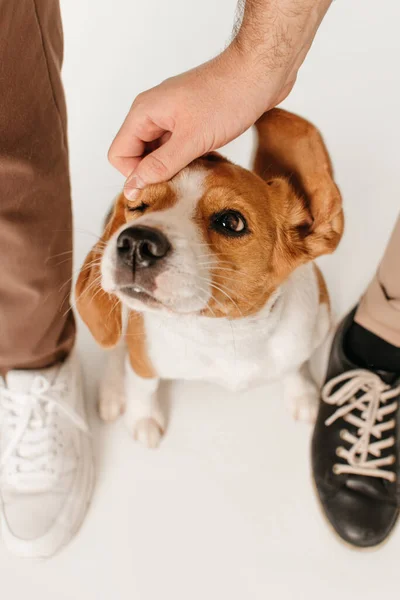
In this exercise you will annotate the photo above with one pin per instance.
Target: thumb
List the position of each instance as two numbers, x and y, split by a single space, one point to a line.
162 164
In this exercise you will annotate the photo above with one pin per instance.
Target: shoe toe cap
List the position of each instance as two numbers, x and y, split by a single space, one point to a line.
29 517
360 520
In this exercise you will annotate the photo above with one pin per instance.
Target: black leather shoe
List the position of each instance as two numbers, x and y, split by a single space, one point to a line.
355 448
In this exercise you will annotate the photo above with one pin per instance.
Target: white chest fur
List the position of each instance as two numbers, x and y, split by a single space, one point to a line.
273 344
243 352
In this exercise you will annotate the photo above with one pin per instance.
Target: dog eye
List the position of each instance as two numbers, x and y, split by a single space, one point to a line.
138 208
229 222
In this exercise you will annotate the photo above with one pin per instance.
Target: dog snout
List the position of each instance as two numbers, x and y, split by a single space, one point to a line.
142 247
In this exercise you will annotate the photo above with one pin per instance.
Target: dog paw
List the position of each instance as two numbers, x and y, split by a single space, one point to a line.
110 406
148 432
302 397
305 408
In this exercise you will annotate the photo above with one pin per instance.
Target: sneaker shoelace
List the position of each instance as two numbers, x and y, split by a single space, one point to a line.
31 458
363 401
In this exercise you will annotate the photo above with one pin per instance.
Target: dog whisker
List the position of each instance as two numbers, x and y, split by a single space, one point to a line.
85 268
94 283
213 285
209 282
59 254
99 291
62 262
227 295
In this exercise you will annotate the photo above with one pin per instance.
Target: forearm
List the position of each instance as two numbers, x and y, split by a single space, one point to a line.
278 33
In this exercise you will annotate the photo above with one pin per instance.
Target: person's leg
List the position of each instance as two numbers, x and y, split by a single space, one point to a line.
374 338
36 327
379 309
46 468
356 441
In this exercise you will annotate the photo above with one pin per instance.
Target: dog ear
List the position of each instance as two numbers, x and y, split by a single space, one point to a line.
99 310
292 149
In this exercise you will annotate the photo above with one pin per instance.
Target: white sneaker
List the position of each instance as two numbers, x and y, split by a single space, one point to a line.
46 461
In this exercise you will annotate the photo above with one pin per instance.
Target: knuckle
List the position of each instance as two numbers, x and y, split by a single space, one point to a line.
140 99
111 156
194 138
157 166
203 146
144 126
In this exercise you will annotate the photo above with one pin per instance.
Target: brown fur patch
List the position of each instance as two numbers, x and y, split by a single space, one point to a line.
156 197
137 347
292 147
242 275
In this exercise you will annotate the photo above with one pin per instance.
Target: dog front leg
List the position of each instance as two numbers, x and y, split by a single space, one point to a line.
112 391
301 394
143 414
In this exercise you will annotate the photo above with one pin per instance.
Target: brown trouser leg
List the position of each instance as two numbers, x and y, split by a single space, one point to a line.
379 310
36 327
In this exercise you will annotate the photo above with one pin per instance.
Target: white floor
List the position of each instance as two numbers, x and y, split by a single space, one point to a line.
225 509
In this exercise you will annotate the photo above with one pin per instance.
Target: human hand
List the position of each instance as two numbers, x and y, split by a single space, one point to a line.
198 111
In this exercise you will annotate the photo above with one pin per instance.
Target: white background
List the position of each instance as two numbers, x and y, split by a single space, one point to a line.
225 509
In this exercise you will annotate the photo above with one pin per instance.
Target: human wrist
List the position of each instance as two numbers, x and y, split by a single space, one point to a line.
275 35
263 86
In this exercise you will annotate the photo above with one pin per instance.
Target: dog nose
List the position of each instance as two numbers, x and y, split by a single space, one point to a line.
142 246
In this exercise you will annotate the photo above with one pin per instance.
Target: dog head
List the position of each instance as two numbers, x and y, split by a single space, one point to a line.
217 239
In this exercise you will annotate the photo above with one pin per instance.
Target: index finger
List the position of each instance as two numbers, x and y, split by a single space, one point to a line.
129 144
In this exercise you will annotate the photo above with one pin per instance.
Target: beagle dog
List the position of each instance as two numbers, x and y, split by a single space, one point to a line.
212 276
